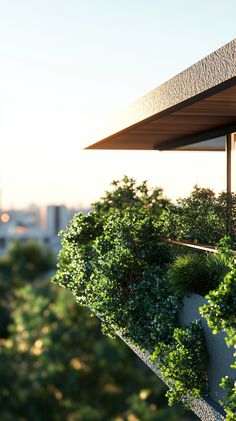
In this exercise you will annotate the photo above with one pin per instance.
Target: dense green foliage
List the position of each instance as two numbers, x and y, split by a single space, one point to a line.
126 193
183 363
114 265
220 313
55 365
195 273
229 401
203 217
114 262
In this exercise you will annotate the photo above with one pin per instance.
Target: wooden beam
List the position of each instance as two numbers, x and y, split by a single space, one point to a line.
196 138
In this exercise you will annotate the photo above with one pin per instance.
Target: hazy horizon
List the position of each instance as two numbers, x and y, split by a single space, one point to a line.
66 67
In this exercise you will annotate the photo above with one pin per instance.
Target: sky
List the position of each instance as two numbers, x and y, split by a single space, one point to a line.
66 66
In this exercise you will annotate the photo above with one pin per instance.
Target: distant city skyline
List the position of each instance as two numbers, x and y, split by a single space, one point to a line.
34 223
65 67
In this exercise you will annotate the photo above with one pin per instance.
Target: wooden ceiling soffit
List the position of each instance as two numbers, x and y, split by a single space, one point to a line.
196 105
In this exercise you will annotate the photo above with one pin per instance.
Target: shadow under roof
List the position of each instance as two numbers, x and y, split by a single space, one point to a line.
196 105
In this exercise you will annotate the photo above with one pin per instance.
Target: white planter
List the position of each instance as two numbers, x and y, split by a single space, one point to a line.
220 356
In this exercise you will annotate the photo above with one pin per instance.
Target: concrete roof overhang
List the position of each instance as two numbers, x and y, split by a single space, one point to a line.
197 104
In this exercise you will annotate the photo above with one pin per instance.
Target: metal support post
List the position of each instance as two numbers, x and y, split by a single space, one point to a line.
230 148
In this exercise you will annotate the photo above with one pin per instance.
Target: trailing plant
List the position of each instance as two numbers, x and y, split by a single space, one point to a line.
229 401
195 273
220 313
183 363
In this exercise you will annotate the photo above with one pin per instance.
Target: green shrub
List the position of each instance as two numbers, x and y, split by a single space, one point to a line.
114 265
126 193
183 363
195 273
114 262
202 217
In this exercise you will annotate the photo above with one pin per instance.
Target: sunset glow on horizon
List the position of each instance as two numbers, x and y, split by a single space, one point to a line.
65 68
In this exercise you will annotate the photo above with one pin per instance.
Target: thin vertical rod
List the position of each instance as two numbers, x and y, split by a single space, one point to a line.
229 162
229 145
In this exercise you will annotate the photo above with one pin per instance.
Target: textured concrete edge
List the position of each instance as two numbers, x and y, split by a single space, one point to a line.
212 72
205 409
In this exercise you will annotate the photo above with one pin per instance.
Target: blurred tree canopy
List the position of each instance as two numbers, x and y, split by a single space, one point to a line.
54 362
23 263
26 261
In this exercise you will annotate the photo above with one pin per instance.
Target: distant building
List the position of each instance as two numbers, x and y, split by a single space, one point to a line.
57 218
22 225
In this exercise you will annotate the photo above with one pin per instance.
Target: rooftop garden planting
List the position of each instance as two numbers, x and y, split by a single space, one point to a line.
203 217
196 272
116 262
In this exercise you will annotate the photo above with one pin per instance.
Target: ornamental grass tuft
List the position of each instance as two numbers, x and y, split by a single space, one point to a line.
195 273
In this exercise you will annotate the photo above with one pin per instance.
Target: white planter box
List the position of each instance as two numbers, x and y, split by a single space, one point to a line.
220 356
220 359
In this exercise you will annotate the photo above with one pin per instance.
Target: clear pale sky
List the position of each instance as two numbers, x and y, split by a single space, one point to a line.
67 65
